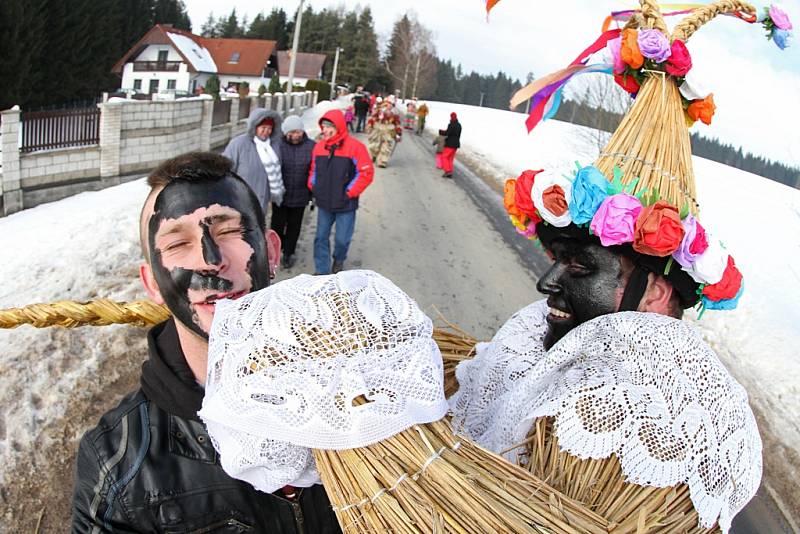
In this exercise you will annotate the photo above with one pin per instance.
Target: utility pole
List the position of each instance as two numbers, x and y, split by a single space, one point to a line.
481 104
295 41
333 77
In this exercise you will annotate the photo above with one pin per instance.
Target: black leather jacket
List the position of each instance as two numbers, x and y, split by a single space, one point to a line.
149 466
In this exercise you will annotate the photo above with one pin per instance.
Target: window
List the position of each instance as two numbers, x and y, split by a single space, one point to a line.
137 84
171 84
153 86
234 58
162 56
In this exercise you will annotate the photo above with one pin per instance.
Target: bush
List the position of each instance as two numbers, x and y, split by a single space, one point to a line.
262 89
322 87
244 89
212 86
275 85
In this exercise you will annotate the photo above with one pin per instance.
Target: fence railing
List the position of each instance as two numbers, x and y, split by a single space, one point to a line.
244 108
222 112
163 66
42 130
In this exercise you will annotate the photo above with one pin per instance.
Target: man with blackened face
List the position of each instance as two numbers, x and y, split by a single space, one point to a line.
204 238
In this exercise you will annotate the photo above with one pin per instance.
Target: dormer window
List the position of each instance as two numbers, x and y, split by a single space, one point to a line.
234 58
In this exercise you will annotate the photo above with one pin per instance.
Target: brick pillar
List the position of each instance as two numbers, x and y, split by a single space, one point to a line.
110 128
234 118
206 122
10 185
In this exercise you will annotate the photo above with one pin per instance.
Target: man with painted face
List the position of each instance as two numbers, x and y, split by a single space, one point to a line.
149 465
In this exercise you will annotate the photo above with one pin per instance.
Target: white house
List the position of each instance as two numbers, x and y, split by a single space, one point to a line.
307 67
169 60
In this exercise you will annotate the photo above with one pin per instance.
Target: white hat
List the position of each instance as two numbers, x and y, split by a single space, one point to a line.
291 123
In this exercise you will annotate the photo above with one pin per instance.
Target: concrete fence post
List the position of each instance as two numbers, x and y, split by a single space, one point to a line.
278 101
10 185
206 123
234 118
110 128
267 101
314 97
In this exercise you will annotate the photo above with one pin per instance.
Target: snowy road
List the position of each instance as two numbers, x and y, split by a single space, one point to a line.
445 242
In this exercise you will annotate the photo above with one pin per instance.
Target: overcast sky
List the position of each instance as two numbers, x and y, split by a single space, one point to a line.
756 86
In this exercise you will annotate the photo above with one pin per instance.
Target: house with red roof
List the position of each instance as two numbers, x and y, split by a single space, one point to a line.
307 66
169 60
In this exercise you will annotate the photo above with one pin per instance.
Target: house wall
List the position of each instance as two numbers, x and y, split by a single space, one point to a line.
254 81
297 80
150 53
135 136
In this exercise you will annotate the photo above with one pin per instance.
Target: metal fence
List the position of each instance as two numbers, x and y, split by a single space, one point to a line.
244 108
222 112
42 130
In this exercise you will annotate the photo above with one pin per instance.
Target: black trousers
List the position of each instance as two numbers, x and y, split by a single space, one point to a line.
287 223
361 121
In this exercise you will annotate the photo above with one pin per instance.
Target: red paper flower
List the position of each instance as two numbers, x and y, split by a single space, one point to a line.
554 201
658 230
700 243
728 287
702 110
522 195
627 82
680 62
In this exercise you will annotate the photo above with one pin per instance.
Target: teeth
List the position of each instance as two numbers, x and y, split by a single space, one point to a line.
558 313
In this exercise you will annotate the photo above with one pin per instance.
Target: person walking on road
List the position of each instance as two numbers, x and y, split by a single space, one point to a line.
256 156
452 142
361 107
287 219
384 132
422 114
340 171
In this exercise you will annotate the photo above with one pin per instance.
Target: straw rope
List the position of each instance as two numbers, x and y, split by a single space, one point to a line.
702 15
652 16
71 314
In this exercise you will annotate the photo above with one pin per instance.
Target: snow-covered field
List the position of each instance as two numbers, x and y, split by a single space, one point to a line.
50 252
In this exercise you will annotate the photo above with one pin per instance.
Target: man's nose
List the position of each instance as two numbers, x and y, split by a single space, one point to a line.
549 282
211 252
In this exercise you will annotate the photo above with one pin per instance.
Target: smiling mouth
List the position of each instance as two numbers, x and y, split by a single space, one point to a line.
558 314
212 299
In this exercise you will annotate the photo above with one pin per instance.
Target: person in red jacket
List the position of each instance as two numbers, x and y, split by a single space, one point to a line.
341 170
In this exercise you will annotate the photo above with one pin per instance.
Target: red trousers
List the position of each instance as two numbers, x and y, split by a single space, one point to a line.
447 157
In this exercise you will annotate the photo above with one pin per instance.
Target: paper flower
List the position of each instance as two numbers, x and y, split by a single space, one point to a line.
709 267
692 87
549 195
702 110
588 191
727 304
658 230
629 50
728 286
522 194
654 45
614 220
528 231
779 17
613 47
627 82
509 191
781 38
694 242
680 62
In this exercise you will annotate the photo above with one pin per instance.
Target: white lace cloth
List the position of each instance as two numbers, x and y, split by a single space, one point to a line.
642 386
287 363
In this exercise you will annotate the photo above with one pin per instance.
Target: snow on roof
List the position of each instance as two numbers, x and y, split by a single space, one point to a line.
197 54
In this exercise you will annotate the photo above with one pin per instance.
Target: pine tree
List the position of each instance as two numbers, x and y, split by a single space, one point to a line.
228 27
209 28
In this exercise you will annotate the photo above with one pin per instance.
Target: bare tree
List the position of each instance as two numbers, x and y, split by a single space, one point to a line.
600 104
411 56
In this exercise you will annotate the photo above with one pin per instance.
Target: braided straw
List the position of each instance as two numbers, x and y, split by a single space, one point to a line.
652 16
70 314
702 15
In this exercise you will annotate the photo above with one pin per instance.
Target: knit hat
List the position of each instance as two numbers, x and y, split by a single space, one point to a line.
268 121
292 123
639 196
453 116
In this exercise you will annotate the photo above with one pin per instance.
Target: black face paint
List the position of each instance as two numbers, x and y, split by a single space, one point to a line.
583 283
181 198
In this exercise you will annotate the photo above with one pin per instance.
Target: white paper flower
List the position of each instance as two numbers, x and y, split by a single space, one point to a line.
710 265
692 88
551 195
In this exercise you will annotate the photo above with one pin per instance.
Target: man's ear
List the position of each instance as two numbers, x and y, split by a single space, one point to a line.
273 251
150 284
657 296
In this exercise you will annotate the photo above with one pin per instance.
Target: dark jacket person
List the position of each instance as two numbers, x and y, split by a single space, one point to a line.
148 465
452 142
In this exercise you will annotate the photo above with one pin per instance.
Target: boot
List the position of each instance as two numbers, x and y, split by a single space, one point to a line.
337 266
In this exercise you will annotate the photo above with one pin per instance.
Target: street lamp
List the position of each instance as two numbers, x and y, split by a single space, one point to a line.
333 76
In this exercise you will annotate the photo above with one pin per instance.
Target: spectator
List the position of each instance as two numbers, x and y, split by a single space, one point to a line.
340 171
422 114
452 137
349 116
361 103
256 156
287 219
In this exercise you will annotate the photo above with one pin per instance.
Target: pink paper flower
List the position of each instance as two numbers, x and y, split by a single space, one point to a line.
614 46
615 219
694 242
779 17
